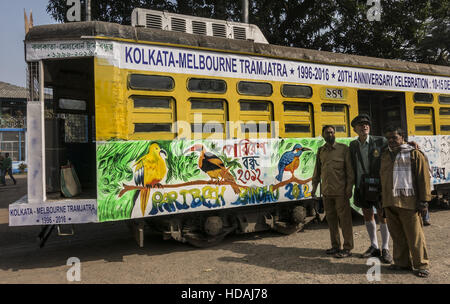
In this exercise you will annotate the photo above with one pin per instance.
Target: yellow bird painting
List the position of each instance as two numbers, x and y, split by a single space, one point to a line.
150 170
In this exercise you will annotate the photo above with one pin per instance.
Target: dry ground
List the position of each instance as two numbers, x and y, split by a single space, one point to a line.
109 254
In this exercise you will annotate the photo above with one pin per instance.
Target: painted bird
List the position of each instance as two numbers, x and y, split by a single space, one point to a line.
213 166
150 170
290 161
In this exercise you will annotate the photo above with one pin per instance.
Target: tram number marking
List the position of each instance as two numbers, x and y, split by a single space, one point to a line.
334 93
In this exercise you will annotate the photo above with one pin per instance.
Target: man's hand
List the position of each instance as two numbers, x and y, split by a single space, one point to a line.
422 208
414 145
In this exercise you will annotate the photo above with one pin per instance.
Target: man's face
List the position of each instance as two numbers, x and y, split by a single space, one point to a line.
362 129
328 135
394 140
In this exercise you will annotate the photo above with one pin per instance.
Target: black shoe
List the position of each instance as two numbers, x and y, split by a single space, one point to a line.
343 254
371 252
332 251
386 257
426 223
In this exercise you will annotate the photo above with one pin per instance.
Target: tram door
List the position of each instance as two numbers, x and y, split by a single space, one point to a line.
384 108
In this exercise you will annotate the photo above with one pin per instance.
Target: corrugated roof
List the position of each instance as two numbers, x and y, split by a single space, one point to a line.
8 90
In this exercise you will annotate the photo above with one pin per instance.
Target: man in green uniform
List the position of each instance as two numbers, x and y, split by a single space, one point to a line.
405 184
335 173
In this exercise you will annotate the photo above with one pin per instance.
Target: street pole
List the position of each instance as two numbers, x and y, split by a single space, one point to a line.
88 10
245 11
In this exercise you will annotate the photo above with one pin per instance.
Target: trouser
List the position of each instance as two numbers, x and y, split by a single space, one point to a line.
2 176
426 217
9 171
405 226
338 212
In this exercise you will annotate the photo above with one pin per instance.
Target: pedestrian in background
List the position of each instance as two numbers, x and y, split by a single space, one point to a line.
7 169
2 176
334 172
405 184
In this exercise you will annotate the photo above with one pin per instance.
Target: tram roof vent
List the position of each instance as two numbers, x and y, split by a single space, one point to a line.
196 25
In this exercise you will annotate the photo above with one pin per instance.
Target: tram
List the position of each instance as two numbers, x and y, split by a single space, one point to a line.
199 128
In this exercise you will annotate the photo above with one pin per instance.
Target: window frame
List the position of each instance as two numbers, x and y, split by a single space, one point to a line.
204 91
130 87
254 82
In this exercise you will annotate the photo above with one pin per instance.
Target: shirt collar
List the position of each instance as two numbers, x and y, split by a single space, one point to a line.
366 142
333 146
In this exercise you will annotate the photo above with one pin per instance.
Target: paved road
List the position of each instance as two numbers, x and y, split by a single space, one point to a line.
109 254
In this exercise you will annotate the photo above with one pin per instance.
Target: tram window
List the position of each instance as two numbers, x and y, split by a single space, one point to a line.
298 120
444 99
72 104
209 127
297 128
423 97
393 113
299 91
152 127
337 116
208 116
212 104
256 116
339 128
422 111
150 82
444 111
421 128
75 127
444 120
333 108
203 85
424 120
254 106
296 106
254 88
151 114
251 127
151 102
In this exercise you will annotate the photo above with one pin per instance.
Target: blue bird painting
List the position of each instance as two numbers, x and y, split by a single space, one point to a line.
290 161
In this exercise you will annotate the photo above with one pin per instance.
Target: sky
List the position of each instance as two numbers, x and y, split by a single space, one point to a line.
12 34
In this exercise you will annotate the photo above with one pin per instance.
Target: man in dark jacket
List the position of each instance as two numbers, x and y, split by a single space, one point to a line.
365 152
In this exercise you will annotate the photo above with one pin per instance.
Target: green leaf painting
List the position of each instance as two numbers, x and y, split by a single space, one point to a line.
116 170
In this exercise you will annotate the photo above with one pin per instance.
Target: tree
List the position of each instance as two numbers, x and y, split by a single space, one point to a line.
108 10
409 29
434 41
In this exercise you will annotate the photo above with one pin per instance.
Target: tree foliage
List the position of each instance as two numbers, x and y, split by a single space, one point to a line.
409 29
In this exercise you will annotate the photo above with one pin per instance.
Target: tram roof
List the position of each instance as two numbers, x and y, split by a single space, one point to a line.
77 30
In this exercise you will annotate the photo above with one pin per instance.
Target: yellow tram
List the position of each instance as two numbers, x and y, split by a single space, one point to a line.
184 128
